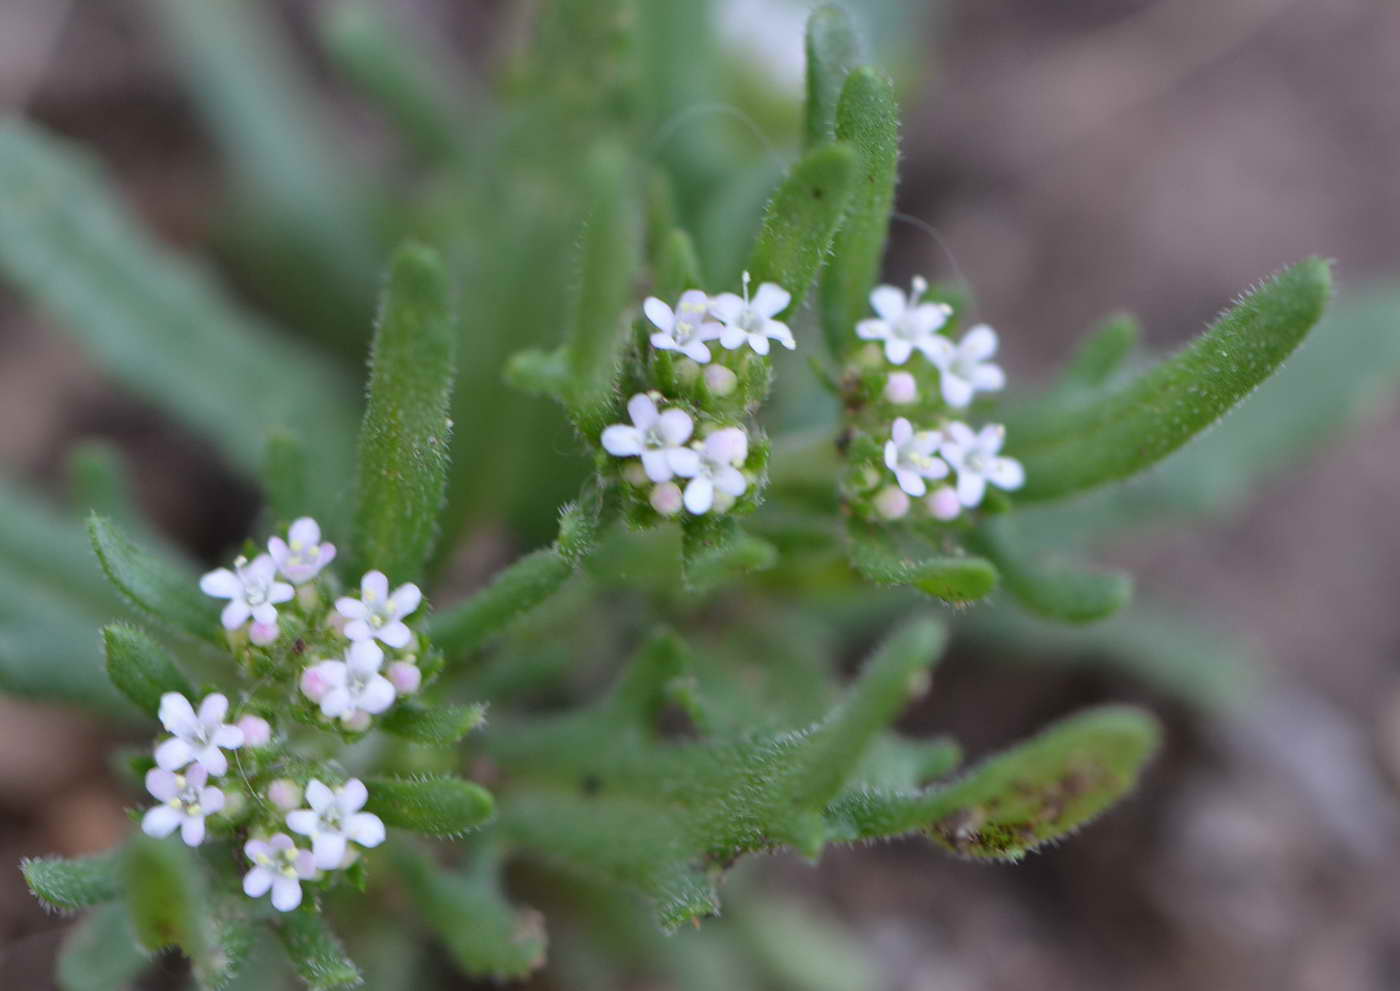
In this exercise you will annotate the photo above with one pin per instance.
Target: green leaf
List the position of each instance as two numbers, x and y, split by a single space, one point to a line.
801 220
1104 352
286 489
485 935
537 372
439 725
435 806
100 483
515 591
868 120
141 668
610 254
152 319
737 556
165 897
402 480
952 579
1016 801
677 266
833 49
100 953
159 588
1052 591
317 956
66 885
1134 427
579 780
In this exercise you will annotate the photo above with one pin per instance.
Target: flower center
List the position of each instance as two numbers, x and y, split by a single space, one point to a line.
977 462
749 321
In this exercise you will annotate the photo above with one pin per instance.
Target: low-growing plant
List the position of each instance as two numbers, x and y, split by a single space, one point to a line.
317 712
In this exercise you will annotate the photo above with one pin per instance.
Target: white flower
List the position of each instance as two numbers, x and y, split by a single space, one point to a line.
279 865
658 437
904 323
251 588
196 737
302 556
913 456
974 457
186 799
964 367
353 685
335 820
377 614
684 329
720 457
750 321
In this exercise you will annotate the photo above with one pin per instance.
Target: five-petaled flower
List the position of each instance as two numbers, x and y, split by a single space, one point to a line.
335 820
377 614
657 437
200 737
301 557
974 456
721 456
684 329
750 321
251 588
913 456
344 688
186 798
904 323
280 866
965 368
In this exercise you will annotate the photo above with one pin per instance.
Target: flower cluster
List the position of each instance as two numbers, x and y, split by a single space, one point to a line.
942 462
278 623
694 451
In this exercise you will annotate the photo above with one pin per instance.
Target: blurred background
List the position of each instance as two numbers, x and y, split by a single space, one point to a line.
1061 161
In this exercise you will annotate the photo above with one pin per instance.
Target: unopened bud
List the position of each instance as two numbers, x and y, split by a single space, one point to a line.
943 503
666 499
405 677
892 503
285 794
901 389
262 634
256 731
720 380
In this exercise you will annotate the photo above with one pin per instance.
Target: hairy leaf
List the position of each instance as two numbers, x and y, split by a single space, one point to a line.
66 885
484 933
165 897
161 589
435 806
1053 591
802 218
401 485
952 579
440 725
286 488
868 120
515 591
1134 427
1016 801
141 668
100 953
677 267
833 49
316 954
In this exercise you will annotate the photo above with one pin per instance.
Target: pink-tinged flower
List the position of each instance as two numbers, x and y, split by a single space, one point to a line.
335 820
199 737
913 456
901 389
750 321
278 865
344 688
405 677
377 614
904 323
943 503
657 437
965 368
251 588
285 794
186 799
256 730
974 456
263 634
684 329
301 556
721 456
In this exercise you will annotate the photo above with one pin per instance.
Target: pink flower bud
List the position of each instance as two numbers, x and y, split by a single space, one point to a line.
892 503
405 677
720 380
357 721
262 634
900 388
285 794
256 731
666 499
943 503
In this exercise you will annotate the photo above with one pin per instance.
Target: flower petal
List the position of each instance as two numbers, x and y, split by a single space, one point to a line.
328 849
731 480
303 821
161 784
910 482
781 333
956 389
770 300
683 461
352 796
675 427
889 302
160 821
363 657
279 592
286 894
265 614
891 455
177 715
358 629
374 587
759 343
898 350
697 352
222 584
257 881
405 600
192 830
727 306
318 795
659 313
396 634
174 753
988 378
733 337
212 759
211 800
378 695
930 317
365 828
872 330
622 441
971 488
656 465
305 531
351 608
699 495
642 409
990 438
902 431
729 446
1006 473
979 343
213 709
